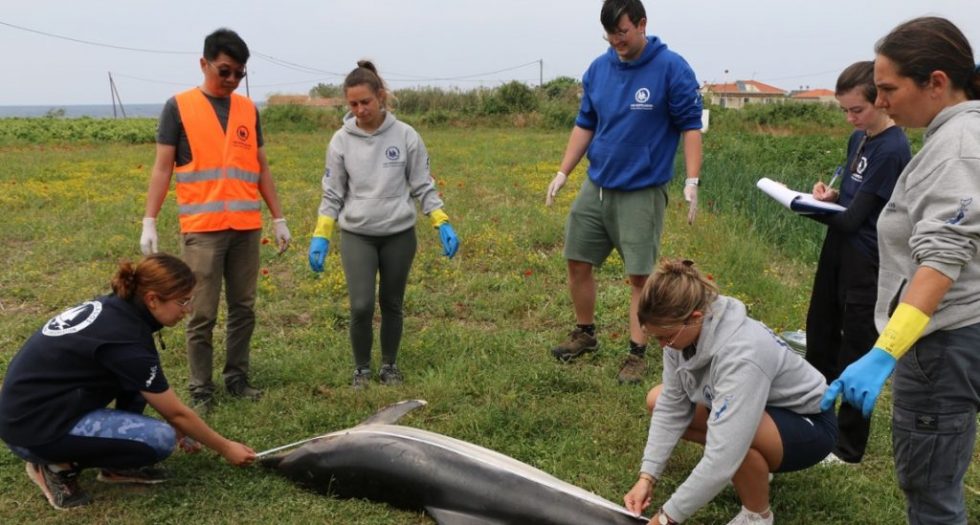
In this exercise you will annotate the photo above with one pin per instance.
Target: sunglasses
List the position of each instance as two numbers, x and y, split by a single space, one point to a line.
184 302
225 72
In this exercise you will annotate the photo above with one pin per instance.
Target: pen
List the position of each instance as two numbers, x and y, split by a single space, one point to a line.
836 176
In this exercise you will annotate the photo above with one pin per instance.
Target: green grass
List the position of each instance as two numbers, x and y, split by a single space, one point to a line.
477 328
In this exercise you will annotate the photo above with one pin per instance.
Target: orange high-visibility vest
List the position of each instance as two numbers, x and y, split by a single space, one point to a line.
219 188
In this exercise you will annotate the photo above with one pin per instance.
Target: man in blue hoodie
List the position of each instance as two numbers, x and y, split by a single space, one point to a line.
639 99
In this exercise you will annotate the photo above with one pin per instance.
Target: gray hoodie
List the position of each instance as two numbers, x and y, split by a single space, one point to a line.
739 368
371 178
932 220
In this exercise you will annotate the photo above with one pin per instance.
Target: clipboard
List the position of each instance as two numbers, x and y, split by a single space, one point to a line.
802 203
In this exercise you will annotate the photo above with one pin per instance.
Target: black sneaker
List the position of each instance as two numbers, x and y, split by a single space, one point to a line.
390 375
241 388
362 377
203 404
578 342
60 488
148 475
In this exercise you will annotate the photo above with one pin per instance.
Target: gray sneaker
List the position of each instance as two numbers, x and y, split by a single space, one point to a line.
60 488
146 475
241 388
390 375
633 369
362 377
579 342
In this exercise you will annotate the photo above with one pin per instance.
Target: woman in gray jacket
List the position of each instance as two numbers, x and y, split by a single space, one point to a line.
730 384
376 165
929 238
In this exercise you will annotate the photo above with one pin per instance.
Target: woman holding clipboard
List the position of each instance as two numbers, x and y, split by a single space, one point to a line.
840 321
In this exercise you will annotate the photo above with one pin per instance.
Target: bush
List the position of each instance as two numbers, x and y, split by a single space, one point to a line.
562 88
299 118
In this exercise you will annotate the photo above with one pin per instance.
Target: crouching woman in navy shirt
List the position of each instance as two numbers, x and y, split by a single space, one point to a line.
53 403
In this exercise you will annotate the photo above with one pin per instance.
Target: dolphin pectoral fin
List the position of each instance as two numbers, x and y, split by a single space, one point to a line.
455 517
390 414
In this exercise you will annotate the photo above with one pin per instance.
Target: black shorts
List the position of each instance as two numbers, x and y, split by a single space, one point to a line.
807 438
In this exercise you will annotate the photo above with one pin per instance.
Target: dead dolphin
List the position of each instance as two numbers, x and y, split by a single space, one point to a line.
455 482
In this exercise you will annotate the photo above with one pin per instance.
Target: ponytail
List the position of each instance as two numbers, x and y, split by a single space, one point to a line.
674 292
161 273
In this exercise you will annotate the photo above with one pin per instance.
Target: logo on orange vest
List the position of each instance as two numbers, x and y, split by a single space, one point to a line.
242 133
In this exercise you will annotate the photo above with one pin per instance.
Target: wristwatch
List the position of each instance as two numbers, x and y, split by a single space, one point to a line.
664 519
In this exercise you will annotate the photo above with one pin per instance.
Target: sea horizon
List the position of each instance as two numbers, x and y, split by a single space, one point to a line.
83 110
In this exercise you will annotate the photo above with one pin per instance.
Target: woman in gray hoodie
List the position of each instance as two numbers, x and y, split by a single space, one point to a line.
376 165
732 385
928 310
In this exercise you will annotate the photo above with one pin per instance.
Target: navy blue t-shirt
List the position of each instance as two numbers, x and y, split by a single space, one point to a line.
873 166
80 361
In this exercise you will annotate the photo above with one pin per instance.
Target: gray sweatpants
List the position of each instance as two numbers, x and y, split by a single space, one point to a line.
934 423
365 259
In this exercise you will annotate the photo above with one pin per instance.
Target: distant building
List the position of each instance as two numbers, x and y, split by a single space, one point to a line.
824 96
741 93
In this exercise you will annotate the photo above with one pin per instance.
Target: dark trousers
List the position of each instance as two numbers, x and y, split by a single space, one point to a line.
936 395
840 328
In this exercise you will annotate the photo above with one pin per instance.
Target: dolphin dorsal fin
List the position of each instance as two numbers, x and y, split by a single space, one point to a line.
390 414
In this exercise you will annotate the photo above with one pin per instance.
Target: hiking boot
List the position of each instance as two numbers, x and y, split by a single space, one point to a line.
147 475
241 388
60 488
362 376
390 376
579 342
203 404
747 517
633 369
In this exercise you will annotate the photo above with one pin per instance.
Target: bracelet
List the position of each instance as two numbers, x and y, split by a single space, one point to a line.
692 181
648 477
562 173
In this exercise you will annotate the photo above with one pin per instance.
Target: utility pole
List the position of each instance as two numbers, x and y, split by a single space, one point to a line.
115 96
540 72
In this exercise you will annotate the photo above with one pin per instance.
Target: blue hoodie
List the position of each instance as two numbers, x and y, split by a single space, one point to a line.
637 111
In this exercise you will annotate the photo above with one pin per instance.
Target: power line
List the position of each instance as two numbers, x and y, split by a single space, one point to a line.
99 44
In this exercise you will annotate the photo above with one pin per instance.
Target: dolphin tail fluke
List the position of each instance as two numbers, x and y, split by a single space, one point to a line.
390 414
455 517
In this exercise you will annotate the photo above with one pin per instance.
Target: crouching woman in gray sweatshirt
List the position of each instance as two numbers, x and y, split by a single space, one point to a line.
732 385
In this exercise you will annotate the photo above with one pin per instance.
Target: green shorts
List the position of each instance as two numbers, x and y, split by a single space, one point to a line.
629 221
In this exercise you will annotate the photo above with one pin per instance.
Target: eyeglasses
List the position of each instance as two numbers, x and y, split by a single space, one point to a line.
185 302
618 34
673 338
225 72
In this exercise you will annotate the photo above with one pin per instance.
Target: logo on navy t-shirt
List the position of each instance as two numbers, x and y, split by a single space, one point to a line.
73 320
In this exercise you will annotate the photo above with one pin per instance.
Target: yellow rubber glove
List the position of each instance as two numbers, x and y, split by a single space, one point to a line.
438 218
902 330
324 227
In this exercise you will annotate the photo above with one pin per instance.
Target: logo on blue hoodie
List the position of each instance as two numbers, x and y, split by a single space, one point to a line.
642 96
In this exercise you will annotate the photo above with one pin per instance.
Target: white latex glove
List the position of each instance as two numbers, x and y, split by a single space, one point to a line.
282 233
149 239
691 196
554 187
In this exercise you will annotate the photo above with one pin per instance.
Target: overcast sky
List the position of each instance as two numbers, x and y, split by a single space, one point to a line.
786 43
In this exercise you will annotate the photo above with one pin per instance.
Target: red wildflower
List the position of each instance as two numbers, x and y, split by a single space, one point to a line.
265 271
265 240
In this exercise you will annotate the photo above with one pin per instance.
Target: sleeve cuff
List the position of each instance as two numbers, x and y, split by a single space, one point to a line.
324 227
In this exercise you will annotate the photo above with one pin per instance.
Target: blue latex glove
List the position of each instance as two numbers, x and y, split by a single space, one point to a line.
450 242
319 246
861 382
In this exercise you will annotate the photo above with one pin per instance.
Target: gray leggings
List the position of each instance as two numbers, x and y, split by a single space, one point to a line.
366 257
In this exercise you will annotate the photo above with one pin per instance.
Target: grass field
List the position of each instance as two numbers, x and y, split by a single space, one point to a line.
478 327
